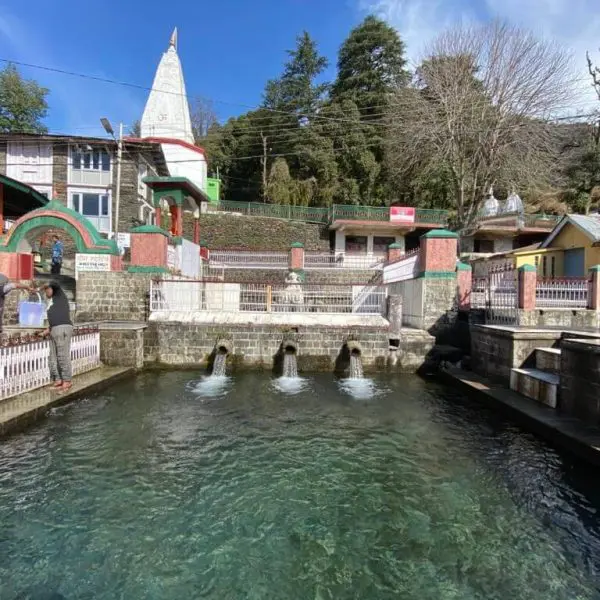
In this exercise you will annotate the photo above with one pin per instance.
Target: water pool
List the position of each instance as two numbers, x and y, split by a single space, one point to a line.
175 486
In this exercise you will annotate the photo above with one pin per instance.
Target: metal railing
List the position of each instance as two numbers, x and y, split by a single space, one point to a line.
240 259
407 267
188 296
342 260
563 292
24 361
323 215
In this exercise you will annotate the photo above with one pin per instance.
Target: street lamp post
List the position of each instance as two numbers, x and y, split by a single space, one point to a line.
109 129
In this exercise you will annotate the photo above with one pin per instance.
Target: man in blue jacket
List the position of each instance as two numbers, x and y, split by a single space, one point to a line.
57 256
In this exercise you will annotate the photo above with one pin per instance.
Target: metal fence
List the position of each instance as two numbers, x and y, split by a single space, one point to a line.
24 361
203 296
497 293
240 259
343 260
565 292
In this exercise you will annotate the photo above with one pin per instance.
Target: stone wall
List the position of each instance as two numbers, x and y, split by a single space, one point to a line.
565 318
122 345
117 296
319 348
230 231
2 157
580 380
495 351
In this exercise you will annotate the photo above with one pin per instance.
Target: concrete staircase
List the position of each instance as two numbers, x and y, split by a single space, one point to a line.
542 382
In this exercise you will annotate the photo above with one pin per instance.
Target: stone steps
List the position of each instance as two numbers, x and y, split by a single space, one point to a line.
536 384
548 359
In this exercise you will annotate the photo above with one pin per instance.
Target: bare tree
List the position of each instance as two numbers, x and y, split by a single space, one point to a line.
203 116
480 106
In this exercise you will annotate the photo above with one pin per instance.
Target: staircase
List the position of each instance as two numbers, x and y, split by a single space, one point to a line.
542 382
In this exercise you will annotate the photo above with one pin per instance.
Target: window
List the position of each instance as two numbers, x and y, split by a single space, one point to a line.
545 266
95 207
381 244
90 159
553 267
483 246
356 243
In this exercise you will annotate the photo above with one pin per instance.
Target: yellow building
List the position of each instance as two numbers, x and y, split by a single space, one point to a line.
570 250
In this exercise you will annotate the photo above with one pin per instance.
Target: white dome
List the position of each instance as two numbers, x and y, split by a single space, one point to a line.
491 206
513 204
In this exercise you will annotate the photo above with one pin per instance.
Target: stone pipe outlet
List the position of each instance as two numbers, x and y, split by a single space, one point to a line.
354 348
290 346
223 347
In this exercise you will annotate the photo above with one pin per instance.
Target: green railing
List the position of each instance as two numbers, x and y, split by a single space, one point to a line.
312 214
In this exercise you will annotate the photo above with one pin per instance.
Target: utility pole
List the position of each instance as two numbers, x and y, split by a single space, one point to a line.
118 192
263 160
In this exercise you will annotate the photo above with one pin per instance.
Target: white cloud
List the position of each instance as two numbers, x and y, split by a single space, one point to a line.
75 104
575 24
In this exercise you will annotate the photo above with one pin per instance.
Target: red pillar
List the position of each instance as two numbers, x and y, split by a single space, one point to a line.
394 252
176 220
527 285
297 256
196 231
438 250
464 284
158 216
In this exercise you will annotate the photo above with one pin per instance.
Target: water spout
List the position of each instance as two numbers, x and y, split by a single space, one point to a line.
356 368
222 349
290 363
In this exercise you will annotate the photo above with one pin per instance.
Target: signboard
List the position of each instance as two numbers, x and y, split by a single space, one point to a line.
123 241
402 214
91 262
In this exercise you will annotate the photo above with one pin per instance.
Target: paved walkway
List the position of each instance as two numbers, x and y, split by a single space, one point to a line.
568 433
18 412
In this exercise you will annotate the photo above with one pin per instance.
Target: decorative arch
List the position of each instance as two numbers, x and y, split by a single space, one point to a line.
57 216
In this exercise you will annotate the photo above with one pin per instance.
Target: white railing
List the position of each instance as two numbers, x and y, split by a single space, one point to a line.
24 364
562 293
203 296
239 259
342 260
407 267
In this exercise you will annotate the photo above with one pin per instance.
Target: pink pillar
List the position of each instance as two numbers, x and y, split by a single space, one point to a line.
176 220
16 265
149 248
158 216
196 231
394 252
297 256
594 292
464 282
527 284
438 251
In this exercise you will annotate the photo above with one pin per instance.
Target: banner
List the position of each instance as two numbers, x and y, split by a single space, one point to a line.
402 214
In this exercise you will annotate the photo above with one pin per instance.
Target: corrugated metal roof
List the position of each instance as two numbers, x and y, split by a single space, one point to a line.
589 223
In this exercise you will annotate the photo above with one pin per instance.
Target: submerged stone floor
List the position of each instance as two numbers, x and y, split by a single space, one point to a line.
20 411
569 433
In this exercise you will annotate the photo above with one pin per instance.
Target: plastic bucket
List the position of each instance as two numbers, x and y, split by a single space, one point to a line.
32 314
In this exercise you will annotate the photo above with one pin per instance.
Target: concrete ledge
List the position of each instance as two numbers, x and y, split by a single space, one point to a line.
561 431
535 384
19 412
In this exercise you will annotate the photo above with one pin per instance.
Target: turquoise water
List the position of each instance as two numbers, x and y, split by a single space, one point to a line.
172 486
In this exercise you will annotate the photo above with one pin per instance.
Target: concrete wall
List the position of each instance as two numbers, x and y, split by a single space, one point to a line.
565 318
122 345
230 231
580 380
495 351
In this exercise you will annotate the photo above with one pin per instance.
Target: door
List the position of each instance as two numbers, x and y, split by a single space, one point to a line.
575 262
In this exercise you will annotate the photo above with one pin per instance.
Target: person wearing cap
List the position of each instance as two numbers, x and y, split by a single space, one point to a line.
60 330
7 286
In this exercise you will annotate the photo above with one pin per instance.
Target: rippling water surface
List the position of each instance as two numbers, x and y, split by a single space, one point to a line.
173 486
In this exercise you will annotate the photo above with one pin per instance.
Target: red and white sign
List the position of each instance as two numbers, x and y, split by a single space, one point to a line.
402 214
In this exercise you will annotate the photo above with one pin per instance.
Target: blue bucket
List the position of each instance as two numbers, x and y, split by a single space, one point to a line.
32 314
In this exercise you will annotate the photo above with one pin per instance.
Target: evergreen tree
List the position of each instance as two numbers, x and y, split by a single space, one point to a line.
23 103
371 65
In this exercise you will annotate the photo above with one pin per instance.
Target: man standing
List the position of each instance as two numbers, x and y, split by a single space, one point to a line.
57 256
6 287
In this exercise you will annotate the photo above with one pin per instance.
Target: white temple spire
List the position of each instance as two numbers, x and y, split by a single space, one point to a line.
167 113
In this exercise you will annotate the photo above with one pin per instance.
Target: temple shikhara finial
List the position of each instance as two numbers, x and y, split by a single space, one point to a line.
173 40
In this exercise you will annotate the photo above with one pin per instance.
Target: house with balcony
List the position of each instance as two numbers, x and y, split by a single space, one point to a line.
81 172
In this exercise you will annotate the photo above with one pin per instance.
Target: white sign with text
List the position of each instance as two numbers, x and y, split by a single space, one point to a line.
91 262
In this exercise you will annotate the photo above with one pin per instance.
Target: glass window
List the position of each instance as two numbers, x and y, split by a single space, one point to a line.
104 206
91 205
76 202
93 160
381 243
87 159
356 243
105 161
76 159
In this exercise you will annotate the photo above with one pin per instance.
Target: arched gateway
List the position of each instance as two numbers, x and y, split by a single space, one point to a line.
16 260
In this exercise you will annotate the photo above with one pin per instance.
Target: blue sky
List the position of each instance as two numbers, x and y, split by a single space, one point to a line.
231 47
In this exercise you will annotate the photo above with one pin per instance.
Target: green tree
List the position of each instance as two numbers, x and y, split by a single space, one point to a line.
135 129
371 65
23 103
280 188
297 90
